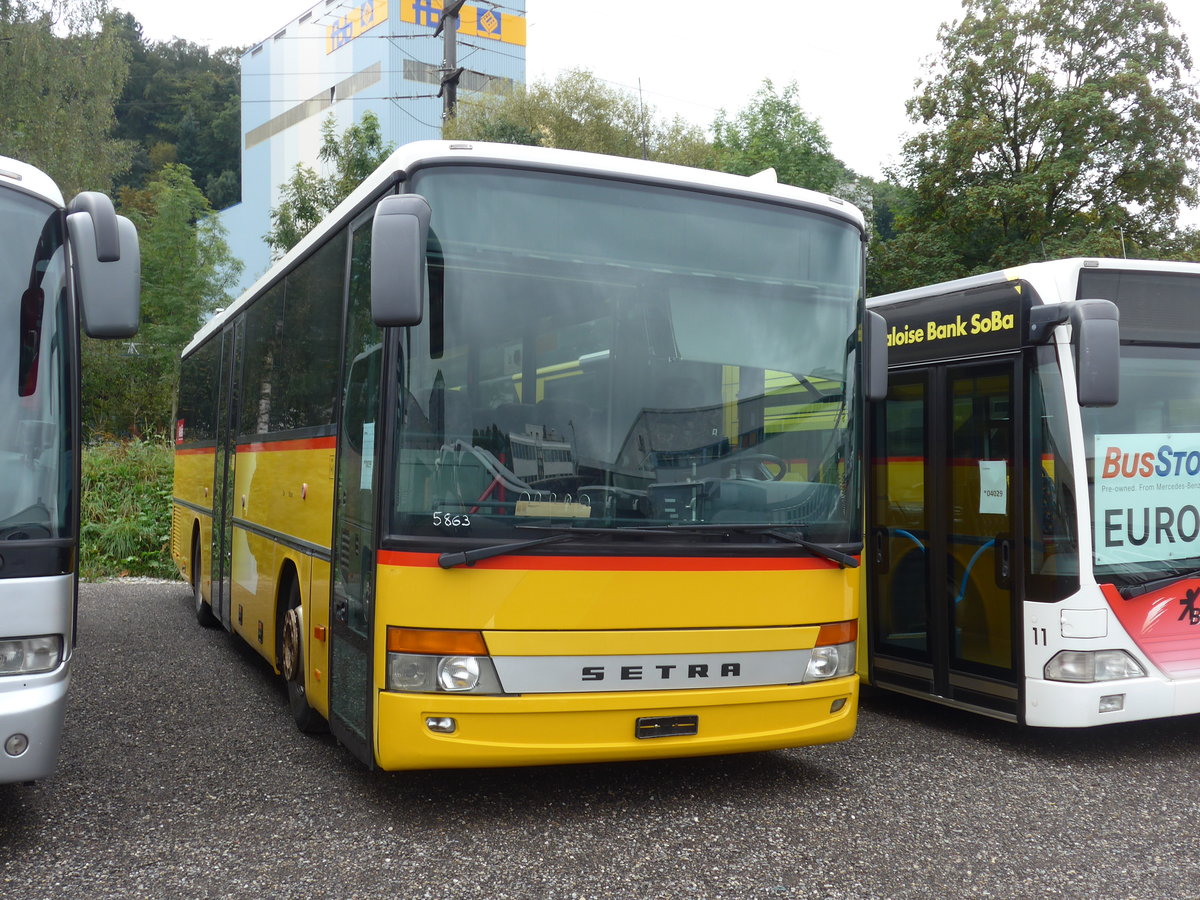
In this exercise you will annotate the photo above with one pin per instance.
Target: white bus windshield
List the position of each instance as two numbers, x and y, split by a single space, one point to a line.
599 353
36 463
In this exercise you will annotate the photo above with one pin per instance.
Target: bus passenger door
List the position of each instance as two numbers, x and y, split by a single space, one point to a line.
946 584
351 670
223 476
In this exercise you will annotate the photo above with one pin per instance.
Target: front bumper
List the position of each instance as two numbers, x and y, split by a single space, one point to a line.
547 729
33 706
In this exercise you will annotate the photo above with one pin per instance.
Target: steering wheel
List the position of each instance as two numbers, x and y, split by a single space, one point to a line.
762 464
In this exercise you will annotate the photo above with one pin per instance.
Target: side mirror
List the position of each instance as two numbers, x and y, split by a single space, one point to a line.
1096 336
399 233
107 259
875 357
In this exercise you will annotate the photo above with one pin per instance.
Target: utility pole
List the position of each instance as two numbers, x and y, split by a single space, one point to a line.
448 27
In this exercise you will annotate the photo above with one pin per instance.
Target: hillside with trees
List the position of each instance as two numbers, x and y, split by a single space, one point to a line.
1042 128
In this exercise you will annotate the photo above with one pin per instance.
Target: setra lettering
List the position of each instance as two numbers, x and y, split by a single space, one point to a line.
663 672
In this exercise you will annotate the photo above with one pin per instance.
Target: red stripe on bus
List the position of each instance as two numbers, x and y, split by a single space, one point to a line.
195 451
617 563
321 443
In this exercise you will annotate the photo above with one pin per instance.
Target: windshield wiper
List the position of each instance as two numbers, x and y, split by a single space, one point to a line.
566 532
561 533
1145 587
825 551
470 557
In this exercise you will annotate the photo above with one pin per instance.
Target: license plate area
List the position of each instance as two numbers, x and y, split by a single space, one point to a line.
651 727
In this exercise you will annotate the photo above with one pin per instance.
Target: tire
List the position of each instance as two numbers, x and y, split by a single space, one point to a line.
290 656
204 613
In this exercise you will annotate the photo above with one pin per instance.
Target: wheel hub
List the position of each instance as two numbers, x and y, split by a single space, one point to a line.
290 664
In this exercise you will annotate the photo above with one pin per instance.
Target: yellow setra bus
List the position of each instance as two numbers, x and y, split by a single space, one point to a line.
527 456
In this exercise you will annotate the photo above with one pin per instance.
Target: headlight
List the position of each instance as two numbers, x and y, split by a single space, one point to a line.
458 673
830 661
426 661
1086 666
410 673
27 656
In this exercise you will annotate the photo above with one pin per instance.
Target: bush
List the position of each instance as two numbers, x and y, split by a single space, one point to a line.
125 518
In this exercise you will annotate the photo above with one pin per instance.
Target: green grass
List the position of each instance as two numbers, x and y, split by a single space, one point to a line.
125 518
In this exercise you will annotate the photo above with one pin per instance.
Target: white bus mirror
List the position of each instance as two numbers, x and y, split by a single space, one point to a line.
875 356
107 258
399 232
1096 336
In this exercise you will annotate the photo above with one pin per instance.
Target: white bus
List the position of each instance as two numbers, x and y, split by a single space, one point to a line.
59 266
1034 507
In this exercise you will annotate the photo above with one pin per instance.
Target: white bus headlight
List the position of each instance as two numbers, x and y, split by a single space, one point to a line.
27 656
830 661
1086 666
415 674
458 673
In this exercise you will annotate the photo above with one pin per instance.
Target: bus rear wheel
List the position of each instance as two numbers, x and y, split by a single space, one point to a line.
204 613
291 664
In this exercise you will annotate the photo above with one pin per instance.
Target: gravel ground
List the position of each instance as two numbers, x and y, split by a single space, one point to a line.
182 776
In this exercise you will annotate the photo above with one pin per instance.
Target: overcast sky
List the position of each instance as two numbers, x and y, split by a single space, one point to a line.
854 60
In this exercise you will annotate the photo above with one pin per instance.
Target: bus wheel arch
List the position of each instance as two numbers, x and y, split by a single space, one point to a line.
289 651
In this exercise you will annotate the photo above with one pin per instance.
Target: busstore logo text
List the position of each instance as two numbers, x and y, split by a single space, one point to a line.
979 323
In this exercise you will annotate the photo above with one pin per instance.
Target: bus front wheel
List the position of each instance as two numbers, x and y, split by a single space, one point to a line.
291 664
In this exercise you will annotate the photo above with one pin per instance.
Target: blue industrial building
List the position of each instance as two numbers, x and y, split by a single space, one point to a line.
342 58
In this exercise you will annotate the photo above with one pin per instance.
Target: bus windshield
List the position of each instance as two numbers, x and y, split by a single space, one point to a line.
1144 454
598 353
36 465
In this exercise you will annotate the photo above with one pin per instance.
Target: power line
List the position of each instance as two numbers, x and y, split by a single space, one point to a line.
495 50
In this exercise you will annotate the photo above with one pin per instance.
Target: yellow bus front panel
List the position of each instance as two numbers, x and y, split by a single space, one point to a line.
571 612
577 728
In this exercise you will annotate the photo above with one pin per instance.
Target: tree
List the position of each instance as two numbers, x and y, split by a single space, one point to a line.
182 95
773 132
187 273
578 111
63 66
306 197
1049 128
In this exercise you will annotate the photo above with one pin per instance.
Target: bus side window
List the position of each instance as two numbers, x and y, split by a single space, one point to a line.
1053 565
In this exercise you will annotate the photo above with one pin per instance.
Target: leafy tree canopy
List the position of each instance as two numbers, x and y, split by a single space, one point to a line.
184 97
773 132
306 198
63 64
578 111
187 273
1048 128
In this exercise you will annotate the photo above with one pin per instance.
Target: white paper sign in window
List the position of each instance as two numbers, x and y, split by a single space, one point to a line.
368 456
993 487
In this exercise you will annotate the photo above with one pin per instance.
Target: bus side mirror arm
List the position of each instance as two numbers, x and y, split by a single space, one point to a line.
875 356
399 233
107 258
1096 336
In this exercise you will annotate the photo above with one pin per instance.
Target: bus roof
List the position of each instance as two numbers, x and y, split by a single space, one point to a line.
25 177
1061 272
421 153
